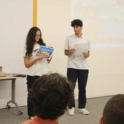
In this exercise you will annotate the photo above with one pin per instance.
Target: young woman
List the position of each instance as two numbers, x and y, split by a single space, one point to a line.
36 65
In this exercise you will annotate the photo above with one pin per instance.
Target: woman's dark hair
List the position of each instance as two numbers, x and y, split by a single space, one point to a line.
76 22
30 40
51 94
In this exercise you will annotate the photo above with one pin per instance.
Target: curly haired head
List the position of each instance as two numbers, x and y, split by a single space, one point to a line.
51 94
114 110
76 22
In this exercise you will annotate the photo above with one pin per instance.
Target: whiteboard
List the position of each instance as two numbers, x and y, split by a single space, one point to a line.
15 22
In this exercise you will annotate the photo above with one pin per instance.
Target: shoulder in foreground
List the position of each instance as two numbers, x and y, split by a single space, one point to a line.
27 122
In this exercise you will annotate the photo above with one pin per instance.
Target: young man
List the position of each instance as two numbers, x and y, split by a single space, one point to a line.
114 111
77 48
50 94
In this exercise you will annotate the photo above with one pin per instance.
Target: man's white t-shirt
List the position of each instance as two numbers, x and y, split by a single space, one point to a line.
40 67
80 44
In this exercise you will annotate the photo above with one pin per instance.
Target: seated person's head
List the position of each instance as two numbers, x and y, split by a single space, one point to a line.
114 111
50 95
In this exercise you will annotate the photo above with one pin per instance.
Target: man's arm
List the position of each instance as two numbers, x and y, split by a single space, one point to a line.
86 55
69 52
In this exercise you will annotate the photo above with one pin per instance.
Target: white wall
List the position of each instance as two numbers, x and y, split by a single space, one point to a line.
54 22
15 21
106 64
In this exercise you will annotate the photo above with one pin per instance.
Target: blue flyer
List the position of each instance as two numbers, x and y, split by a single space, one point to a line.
45 51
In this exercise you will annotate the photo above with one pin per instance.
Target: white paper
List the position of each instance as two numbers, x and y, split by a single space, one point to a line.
80 48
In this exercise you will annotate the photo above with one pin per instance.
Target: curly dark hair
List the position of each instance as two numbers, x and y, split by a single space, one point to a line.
30 40
51 94
76 22
114 110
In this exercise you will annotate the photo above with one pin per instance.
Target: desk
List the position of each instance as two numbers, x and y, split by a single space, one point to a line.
13 79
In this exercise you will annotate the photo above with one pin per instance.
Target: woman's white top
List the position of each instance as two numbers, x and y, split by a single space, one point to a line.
40 67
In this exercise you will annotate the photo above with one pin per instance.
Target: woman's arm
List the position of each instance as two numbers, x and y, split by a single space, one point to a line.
48 60
28 63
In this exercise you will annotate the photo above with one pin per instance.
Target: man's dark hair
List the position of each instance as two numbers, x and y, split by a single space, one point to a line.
76 22
51 94
114 110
